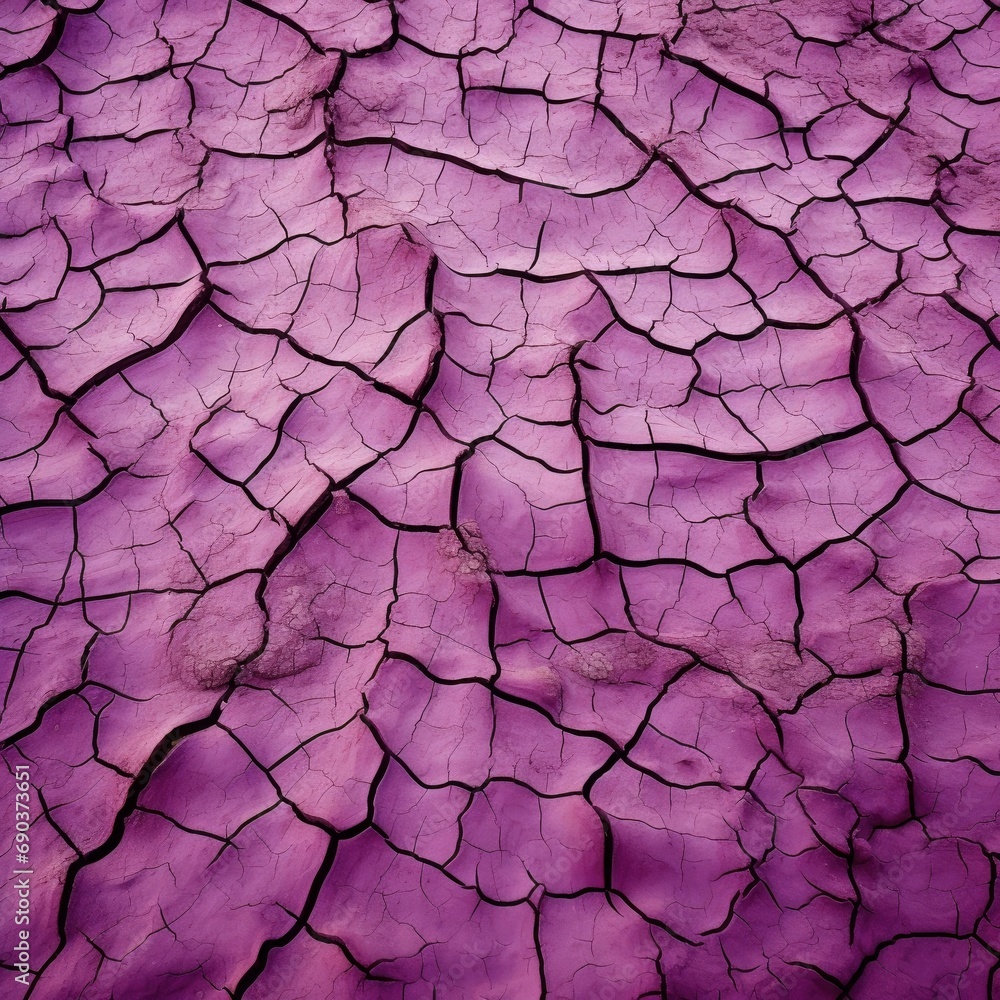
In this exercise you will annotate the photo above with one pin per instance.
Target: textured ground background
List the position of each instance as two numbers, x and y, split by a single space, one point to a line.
500 499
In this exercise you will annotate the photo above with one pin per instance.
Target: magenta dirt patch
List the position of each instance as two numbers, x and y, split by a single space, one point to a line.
500 500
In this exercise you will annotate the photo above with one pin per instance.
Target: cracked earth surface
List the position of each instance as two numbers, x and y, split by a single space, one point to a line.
500 500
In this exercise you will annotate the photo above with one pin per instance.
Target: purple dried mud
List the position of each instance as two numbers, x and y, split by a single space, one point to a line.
501 500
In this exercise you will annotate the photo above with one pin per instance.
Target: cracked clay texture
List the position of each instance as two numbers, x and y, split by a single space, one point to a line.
500 500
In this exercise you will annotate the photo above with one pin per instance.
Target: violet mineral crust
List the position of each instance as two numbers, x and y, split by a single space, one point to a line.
500 500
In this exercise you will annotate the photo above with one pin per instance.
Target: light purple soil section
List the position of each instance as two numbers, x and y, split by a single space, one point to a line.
501 499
